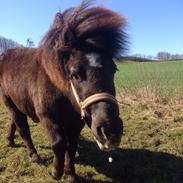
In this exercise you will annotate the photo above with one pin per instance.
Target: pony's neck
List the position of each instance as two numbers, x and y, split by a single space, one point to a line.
55 73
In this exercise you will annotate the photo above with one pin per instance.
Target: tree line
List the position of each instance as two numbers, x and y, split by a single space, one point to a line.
162 55
7 43
159 56
168 56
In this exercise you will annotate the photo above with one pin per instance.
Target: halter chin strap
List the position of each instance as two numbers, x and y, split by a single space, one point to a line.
91 99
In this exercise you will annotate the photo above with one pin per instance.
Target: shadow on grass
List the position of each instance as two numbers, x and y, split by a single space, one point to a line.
128 166
132 165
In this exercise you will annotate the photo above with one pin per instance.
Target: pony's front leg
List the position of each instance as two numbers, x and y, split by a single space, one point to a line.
70 153
58 161
58 144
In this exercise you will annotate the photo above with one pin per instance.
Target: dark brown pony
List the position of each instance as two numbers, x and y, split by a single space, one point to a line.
65 82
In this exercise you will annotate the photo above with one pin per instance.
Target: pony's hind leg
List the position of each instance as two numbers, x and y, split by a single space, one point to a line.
11 134
19 123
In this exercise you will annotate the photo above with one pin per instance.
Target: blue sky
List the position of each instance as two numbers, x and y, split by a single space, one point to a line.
153 25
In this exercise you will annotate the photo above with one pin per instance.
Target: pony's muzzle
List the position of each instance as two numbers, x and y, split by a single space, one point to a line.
108 137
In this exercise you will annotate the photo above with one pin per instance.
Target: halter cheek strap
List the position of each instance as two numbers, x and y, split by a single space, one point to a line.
103 96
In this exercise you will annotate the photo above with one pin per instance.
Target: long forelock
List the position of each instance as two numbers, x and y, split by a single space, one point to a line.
88 27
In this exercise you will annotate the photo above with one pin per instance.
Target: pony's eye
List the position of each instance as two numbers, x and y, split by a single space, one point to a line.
77 73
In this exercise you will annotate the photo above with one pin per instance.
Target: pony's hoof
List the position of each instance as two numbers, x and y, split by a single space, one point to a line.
55 174
73 179
36 159
10 144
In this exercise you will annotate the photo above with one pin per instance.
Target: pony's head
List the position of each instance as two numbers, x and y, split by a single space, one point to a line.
81 45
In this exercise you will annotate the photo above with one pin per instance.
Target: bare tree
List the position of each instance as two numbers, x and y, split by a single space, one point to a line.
7 43
167 56
30 43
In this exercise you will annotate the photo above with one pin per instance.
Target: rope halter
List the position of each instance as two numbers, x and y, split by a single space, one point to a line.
103 96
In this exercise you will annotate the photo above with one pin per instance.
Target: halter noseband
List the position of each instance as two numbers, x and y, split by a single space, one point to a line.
91 99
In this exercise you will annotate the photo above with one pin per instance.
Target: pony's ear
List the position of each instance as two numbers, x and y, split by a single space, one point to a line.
58 21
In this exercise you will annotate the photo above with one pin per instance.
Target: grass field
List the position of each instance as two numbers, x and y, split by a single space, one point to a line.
161 79
151 151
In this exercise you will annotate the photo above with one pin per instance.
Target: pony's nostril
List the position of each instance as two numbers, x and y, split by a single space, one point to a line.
101 132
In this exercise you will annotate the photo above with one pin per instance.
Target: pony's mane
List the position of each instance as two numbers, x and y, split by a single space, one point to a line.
88 28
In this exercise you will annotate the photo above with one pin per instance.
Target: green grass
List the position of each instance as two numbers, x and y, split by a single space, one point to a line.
164 79
151 150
